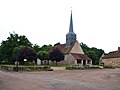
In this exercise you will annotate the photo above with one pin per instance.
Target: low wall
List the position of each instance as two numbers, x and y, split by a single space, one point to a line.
24 68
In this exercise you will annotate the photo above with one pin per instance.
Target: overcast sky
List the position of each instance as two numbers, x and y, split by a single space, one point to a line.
96 22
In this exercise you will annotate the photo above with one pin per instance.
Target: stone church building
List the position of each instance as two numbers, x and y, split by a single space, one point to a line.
72 50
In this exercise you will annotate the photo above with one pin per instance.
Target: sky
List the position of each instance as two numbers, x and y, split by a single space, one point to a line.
96 22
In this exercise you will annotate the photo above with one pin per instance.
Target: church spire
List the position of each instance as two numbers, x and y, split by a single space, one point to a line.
70 36
71 23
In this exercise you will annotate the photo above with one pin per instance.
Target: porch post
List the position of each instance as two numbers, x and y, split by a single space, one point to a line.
75 62
81 62
85 62
90 62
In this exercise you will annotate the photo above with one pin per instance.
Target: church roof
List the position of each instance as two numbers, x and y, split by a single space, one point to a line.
74 49
80 56
62 47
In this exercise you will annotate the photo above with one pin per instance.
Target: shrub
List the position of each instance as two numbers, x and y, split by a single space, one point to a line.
73 67
95 68
26 68
110 67
49 69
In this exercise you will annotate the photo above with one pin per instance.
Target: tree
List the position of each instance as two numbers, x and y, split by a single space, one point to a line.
56 55
36 48
93 53
7 46
27 53
16 50
93 56
46 47
42 55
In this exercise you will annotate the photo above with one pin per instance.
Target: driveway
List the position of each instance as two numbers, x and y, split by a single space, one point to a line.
100 79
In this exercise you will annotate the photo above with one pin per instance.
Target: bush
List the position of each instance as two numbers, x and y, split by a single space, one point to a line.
73 67
96 67
26 68
49 69
109 67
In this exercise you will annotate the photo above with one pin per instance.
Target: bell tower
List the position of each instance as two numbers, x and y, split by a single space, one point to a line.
70 36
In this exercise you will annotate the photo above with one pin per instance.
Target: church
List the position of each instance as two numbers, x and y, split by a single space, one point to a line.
72 50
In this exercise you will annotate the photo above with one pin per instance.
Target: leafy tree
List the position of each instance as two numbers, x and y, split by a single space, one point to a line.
15 51
7 46
46 47
27 53
36 47
42 55
93 56
93 53
56 55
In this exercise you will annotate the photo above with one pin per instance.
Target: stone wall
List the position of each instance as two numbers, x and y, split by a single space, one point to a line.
115 62
69 59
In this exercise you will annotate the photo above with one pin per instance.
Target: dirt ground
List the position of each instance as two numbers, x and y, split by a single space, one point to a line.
100 79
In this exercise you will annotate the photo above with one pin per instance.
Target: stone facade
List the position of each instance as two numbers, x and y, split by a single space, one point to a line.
115 62
69 60
111 59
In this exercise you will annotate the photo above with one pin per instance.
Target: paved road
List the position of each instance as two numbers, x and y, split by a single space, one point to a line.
106 79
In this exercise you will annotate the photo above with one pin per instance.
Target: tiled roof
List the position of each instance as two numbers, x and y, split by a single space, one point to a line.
114 54
66 50
62 47
80 56
69 49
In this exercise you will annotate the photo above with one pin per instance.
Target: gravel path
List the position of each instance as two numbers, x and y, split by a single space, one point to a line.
102 79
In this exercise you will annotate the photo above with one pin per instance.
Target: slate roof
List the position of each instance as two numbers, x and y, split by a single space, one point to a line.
114 54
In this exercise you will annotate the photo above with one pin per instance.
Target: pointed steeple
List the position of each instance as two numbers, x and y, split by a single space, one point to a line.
70 36
71 23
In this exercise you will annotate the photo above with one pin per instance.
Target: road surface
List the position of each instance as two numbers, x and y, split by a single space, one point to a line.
100 79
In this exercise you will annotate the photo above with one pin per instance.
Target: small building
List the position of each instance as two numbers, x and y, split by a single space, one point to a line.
112 58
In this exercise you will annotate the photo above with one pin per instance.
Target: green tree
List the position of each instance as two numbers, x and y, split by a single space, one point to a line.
42 55
7 46
36 48
93 56
46 47
93 53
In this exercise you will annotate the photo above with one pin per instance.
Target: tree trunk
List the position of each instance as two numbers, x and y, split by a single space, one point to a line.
41 62
56 63
48 62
